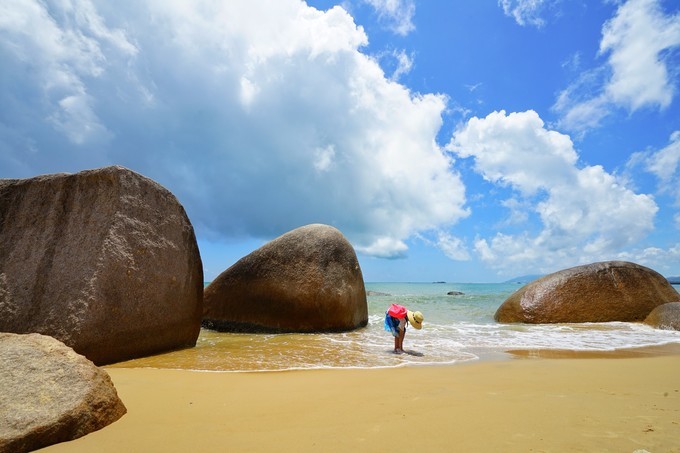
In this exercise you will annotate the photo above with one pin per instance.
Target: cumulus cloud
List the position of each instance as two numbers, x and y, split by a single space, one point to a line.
636 41
662 260
585 212
60 60
397 14
665 165
525 12
259 115
518 211
453 247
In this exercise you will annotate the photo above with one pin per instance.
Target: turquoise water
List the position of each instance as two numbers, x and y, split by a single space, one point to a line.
456 329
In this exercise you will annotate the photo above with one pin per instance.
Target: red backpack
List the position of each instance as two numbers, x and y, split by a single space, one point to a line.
397 311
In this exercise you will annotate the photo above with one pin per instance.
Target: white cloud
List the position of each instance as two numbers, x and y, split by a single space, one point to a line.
61 58
324 158
664 261
396 62
525 12
385 247
248 91
636 41
452 247
581 116
586 213
259 115
404 64
665 164
518 211
76 119
484 250
503 145
397 13
579 109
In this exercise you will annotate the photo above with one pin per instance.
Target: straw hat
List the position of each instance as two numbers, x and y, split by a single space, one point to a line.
415 319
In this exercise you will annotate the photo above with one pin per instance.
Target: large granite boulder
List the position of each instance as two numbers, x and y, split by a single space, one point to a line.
50 394
104 260
307 280
598 292
666 316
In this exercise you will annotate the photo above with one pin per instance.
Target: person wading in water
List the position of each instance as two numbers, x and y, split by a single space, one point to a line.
396 319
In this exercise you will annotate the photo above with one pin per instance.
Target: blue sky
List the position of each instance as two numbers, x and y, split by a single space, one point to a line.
458 141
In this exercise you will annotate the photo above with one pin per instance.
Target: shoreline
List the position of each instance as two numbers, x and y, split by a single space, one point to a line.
669 349
586 403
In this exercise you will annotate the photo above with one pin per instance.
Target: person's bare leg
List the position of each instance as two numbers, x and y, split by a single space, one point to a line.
399 341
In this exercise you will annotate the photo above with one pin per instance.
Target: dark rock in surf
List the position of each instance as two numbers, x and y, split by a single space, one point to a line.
50 394
307 280
454 293
666 316
104 260
598 292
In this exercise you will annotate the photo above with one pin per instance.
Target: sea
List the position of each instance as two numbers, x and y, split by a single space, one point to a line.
457 328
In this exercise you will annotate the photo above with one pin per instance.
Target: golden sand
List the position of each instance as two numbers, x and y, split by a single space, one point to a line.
552 405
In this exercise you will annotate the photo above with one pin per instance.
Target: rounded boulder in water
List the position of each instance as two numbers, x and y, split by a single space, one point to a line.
307 280
599 292
666 316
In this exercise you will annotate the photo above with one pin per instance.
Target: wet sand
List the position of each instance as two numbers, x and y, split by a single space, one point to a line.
553 405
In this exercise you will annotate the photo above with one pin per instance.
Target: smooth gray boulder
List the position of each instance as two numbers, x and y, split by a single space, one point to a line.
598 292
50 394
104 260
307 280
666 316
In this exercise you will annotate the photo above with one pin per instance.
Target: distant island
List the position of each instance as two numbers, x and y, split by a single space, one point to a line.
524 278
673 280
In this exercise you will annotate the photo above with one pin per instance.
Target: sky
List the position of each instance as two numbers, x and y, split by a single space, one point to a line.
459 141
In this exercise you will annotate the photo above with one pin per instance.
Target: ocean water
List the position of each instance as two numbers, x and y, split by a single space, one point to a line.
456 329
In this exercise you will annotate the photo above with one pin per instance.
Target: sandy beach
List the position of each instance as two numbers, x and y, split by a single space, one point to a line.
623 404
